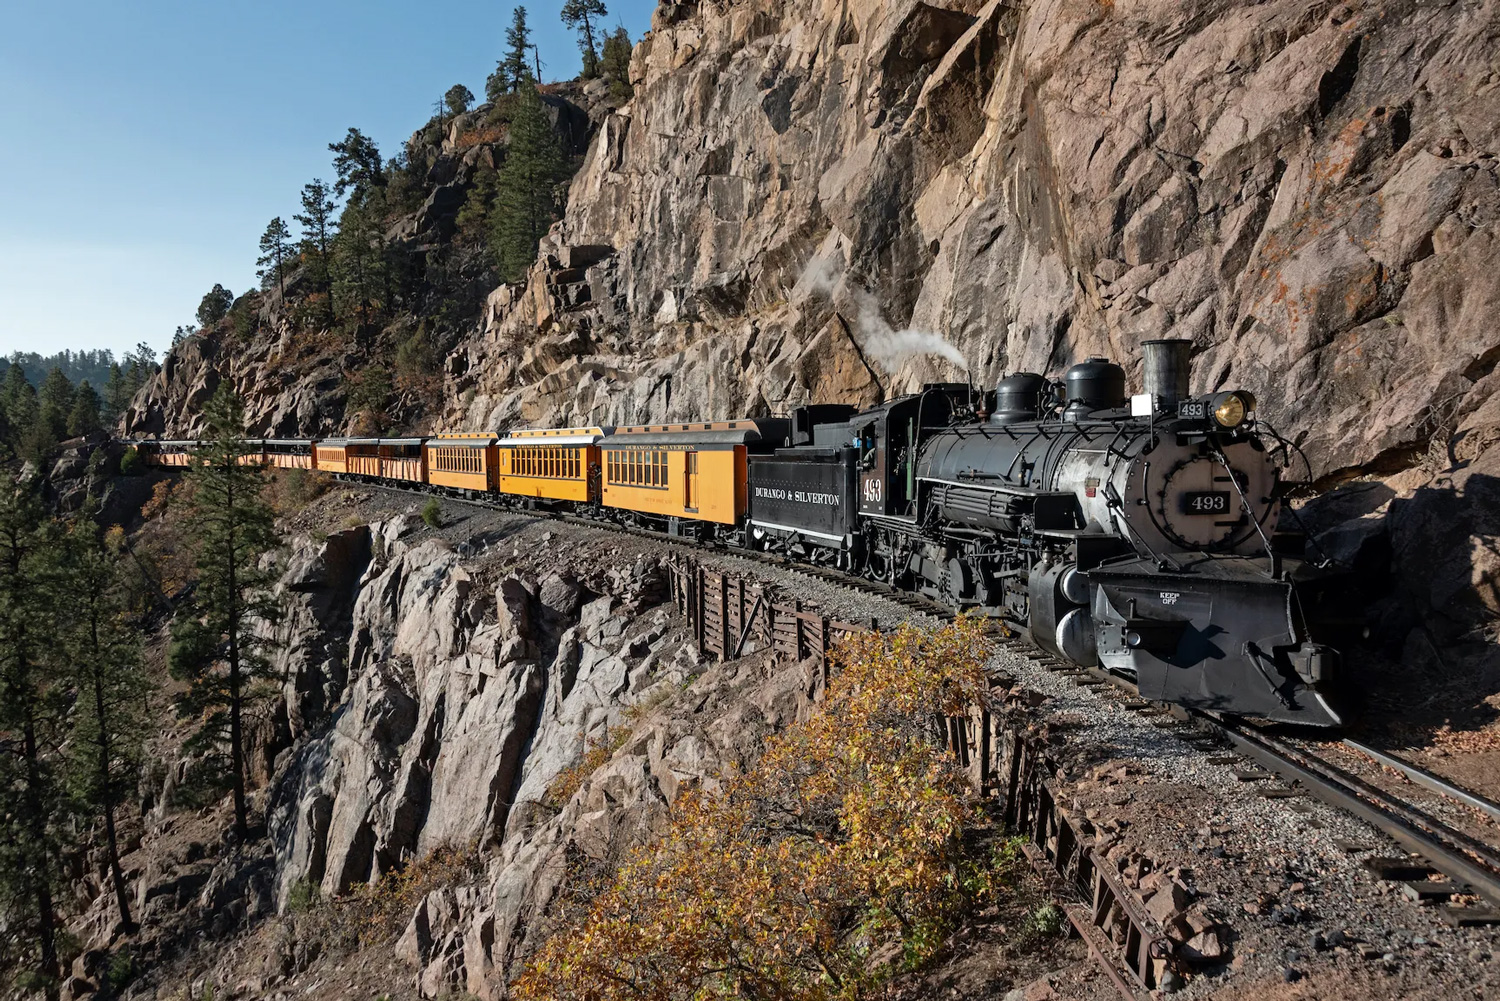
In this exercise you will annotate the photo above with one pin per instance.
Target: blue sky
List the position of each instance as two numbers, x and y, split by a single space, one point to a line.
147 144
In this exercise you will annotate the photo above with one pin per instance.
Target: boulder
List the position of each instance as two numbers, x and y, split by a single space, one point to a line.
1168 903
1205 947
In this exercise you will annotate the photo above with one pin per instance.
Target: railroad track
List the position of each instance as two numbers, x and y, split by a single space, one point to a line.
1427 780
1471 866
914 602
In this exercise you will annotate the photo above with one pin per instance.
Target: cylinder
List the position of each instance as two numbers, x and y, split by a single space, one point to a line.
1167 369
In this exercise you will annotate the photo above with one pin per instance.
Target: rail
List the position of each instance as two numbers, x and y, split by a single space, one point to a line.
1473 866
1427 780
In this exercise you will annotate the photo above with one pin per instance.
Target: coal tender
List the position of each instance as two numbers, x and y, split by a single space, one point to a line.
1139 534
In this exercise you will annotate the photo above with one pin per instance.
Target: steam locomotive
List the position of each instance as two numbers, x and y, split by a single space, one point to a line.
1139 535
1136 534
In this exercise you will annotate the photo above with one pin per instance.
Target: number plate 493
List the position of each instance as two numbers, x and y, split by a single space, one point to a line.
1206 502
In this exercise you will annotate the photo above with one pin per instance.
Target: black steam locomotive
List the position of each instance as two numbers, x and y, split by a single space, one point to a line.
1137 534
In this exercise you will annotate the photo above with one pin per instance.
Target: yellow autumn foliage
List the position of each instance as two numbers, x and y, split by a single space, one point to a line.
843 856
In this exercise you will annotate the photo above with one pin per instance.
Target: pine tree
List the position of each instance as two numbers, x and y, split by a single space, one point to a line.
473 219
616 64
359 265
145 354
83 419
356 159
318 231
33 714
214 307
55 402
110 717
275 252
582 15
115 398
135 378
526 199
369 397
517 42
458 98
213 649
19 397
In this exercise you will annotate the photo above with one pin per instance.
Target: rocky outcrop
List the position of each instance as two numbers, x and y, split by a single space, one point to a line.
456 718
460 702
308 644
471 938
1308 192
425 747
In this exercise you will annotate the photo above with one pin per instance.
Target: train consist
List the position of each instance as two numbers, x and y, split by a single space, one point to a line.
1138 534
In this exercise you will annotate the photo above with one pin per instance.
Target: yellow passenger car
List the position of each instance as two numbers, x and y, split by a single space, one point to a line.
560 464
693 472
288 454
167 453
462 462
331 455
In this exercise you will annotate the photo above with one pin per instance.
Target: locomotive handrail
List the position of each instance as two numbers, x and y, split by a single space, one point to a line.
1275 571
1116 503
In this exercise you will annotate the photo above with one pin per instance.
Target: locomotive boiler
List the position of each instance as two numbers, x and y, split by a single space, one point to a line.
1139 534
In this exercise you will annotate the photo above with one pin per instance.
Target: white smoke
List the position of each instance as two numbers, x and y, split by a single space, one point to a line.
881 343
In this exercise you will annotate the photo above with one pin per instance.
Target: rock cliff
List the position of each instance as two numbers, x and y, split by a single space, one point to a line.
461 706
1308 191
831 200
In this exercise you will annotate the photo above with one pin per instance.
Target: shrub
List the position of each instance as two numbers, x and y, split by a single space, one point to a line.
597 752
290 490
120 972
303 896
855 835
432 514
160 499
131 463
1047 920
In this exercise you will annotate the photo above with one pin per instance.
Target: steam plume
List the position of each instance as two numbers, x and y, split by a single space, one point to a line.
880 342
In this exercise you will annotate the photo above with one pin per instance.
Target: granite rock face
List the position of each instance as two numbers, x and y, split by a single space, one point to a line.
425 746
472 938
453 719
799 190
832 201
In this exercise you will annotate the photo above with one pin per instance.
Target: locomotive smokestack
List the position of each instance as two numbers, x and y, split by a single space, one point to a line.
1167 370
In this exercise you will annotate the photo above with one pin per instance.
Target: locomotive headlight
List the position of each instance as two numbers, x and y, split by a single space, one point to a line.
1230 410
